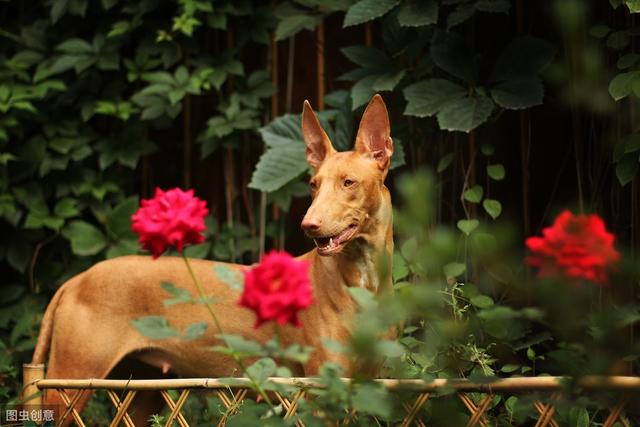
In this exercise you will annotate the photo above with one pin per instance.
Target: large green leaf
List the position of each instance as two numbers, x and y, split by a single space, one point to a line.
451 53
284 130
279 165
524 56
362 91
372 399
633 5
416 13
627 168
518 93
427 97
86 239
119 220
262 369
293 20
367 56
465 114
622 84
367 10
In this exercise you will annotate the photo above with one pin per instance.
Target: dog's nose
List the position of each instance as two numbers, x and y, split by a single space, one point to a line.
310 224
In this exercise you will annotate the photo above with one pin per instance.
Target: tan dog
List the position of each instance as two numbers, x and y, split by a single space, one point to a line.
86 329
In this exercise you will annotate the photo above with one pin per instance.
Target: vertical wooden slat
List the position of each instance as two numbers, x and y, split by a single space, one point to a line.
320 63
187 143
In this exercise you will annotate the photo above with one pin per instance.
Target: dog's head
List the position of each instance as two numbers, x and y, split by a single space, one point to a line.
347 187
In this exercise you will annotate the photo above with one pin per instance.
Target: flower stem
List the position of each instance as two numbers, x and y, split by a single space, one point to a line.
236 358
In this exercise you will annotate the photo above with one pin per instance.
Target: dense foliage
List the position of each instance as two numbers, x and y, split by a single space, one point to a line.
94 94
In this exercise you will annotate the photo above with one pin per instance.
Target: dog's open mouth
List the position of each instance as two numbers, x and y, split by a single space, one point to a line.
331 244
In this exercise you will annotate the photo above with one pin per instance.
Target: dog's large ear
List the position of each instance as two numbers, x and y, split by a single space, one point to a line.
374 134
317 141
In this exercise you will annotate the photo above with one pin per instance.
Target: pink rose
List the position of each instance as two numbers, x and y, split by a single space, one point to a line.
172 218
277 288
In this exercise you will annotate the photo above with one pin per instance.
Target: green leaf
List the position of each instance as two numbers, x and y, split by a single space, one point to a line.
481 301
524 56
599 31
195 331
579 417
262 369
627 60
284 130
427 97
388 348
229 276
278 166
363 297
493 207
85 238
508 368
634 7
531 354
119 220
496 172
444 162
372 399
518 93
418 13
58 9
366 56
488 149
473 194
242 346
454 269
463 12
76 47
451 53
388 81
293 19
626 169
180 296
400 267
468 225
154 327
465 114
367 10
618 40
621 85
362 91
66 208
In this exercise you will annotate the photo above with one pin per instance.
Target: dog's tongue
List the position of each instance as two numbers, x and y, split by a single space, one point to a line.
333 241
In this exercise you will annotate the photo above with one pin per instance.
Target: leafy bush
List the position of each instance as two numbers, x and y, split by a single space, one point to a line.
92 92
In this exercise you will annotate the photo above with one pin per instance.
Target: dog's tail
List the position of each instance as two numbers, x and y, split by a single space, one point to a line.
46 328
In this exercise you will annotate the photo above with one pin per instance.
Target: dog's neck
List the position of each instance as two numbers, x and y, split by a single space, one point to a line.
366 261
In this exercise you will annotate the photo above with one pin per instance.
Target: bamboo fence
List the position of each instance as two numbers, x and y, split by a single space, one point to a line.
476 397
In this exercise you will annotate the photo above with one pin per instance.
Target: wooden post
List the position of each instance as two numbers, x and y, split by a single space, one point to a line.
320 64
31 374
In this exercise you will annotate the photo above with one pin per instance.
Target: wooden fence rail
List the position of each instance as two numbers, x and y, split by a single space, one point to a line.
476 397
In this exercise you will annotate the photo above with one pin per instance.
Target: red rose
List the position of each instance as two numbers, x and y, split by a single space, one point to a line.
578 247
171 218
277 288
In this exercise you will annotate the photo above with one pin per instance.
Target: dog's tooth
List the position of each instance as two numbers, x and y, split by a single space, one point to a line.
330 241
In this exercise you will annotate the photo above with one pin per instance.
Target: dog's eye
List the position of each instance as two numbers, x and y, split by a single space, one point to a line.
348 182
313 185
